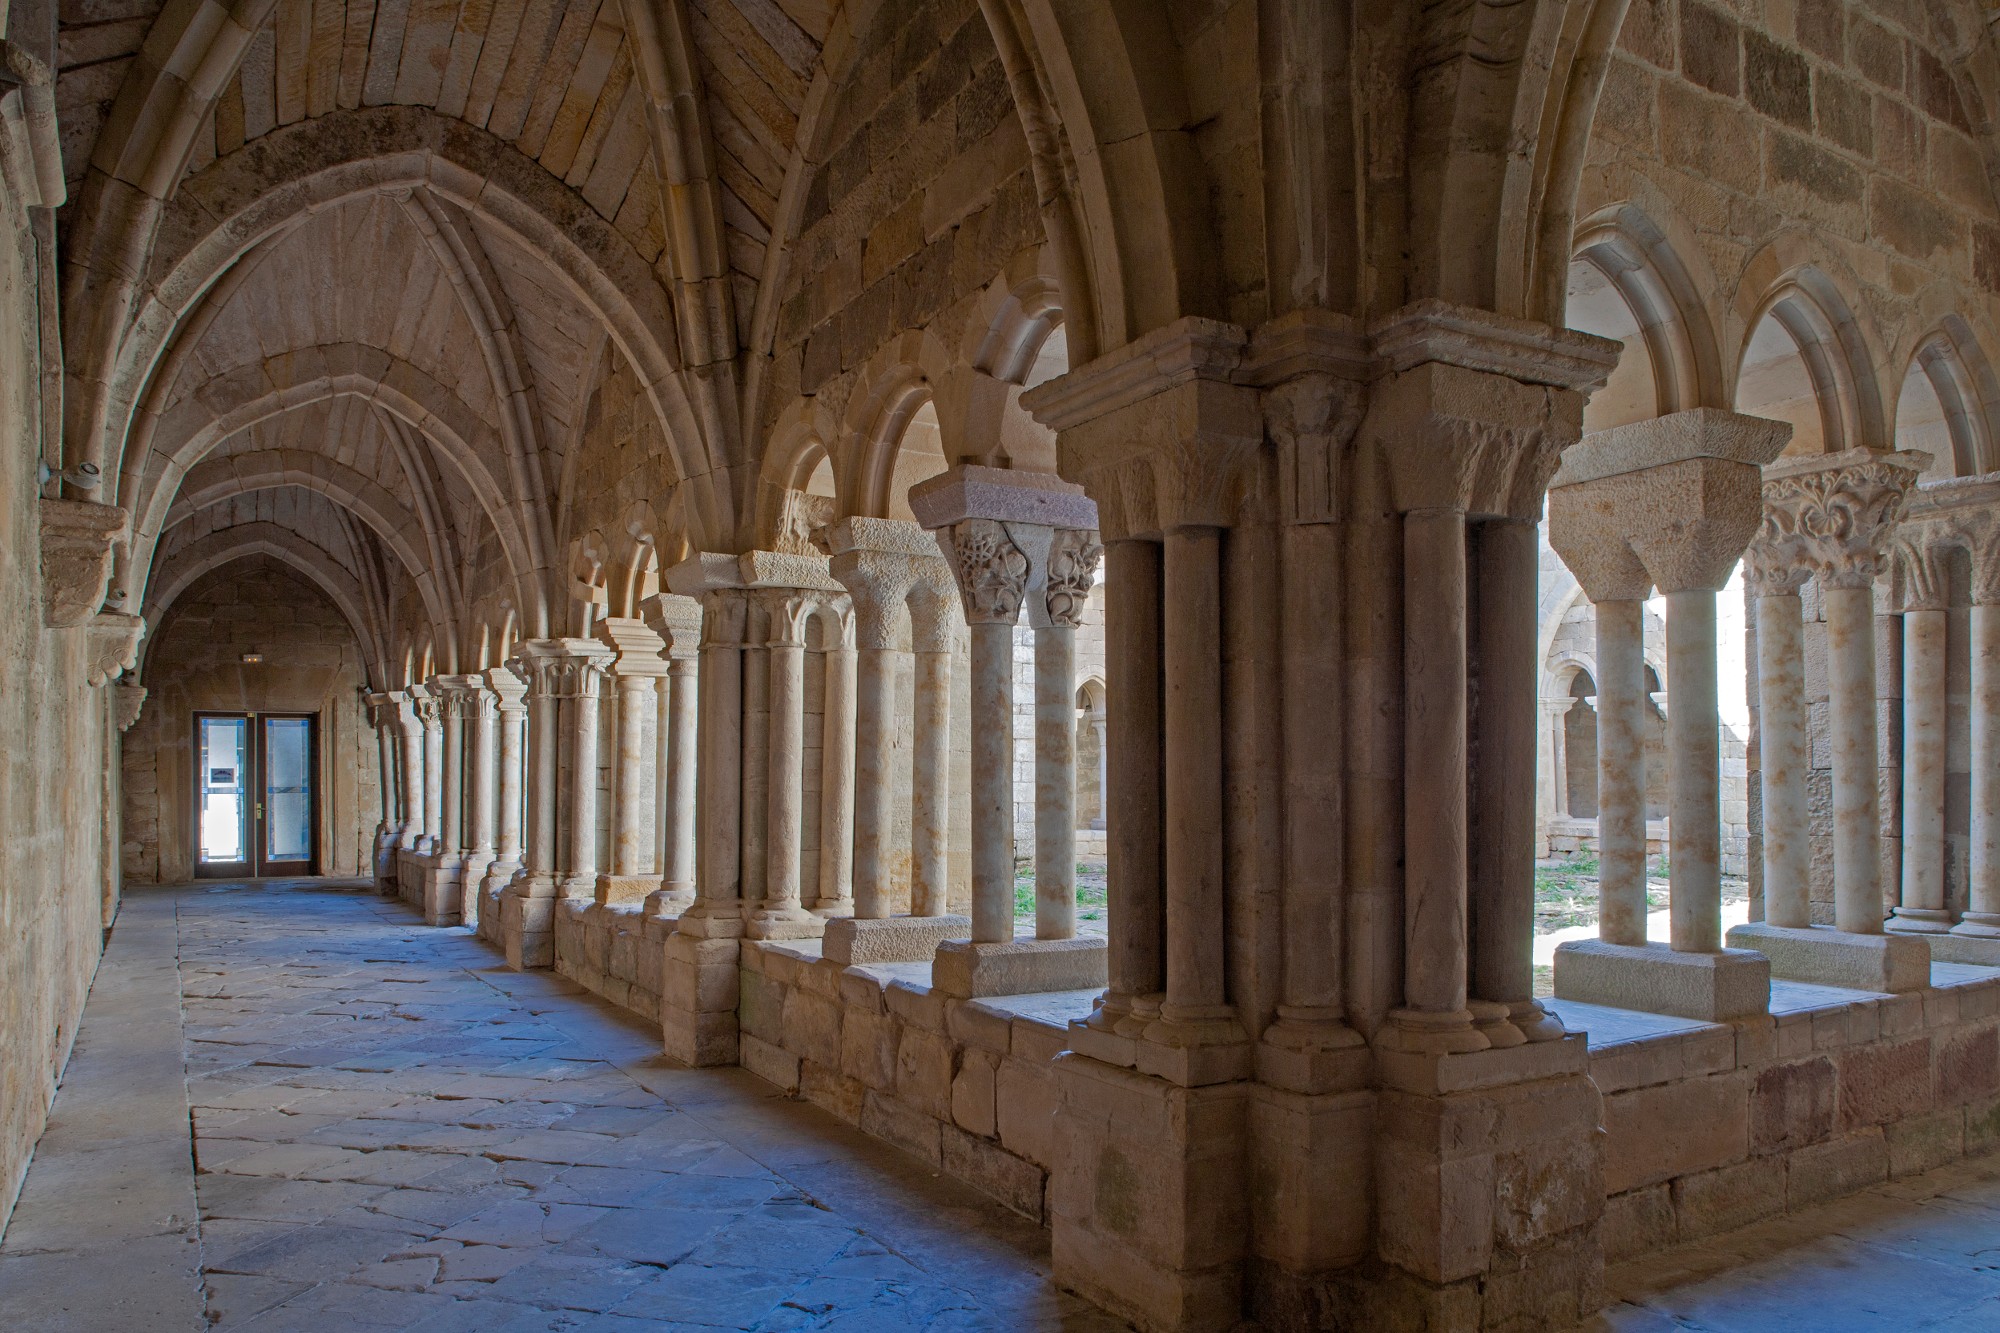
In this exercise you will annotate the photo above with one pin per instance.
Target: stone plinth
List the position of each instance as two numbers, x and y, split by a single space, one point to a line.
1889 963
527 929
891 939
698 1000
969 969
1654 979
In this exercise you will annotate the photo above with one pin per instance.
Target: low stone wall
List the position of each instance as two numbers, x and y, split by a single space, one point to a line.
1717 1126
966 1085
612 950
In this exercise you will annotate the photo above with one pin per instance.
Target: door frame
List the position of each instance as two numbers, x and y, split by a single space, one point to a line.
255 865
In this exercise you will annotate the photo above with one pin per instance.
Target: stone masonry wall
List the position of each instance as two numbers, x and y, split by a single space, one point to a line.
1726 1124
54 884
312 664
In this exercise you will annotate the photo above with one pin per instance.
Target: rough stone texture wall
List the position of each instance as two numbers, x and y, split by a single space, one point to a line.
312 664
1726 1124
965 1085
54 735
924 196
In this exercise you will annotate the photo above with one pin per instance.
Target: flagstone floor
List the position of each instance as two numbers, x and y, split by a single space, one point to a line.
391 1130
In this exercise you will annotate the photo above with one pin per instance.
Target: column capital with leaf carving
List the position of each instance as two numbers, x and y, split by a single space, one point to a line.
1842 509
561 668
1013 537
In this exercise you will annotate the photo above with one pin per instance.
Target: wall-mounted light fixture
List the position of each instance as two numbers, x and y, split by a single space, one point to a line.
252 658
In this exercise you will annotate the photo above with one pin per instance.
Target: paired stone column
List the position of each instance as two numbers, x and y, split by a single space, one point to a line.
1839 512
677 620
1924 602
382 712
781 914
563 679
1671 502
482 763
1774 572
509 777
441 874
429 708
837 748
898 584
1014 538
636 673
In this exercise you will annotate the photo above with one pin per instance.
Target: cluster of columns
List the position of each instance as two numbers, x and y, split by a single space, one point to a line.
1953 902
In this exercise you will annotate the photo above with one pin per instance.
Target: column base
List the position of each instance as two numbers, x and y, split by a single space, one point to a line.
1425 1032
699 982
1919 921
1654 979
623 888
1978 926
1194 1047
470 875
891 939
783 923
717 919
437 886
668 903
1829 957
971 971
1312 1054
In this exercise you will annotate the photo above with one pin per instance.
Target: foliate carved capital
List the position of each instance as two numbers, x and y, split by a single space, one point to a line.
786 615
77 541
1921 578
725 618
114 645
802 523
1072 572
1774 566
1312 419
992 571
428 709
562 668
1844 513
1449 437
126 701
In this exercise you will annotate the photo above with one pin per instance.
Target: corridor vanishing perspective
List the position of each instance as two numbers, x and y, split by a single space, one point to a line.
1338 661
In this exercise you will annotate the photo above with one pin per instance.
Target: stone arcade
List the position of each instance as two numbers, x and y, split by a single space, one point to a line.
1038 574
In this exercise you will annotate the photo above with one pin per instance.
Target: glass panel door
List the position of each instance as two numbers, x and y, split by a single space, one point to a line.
222 791
287 841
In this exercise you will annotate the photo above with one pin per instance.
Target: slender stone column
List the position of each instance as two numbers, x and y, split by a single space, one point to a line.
544 751
451 780
781 915
1857 827
930 775
677 620
719 778
1434 1016
1502 891
527 904
1775 575
1071 571
875 732
508 772
410 784
585 679
1982 917
992 575
1193 723
756 760
382 710
836 783
430 712
1134 788
1920 906
636 673
1694 758
1621 771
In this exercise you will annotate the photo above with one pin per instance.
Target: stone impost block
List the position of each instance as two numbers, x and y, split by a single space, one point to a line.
893 939
624 888
971 491
1886 963
1654 979
1701 432
638 647
1099 1044
1433 1075
970 970
527 930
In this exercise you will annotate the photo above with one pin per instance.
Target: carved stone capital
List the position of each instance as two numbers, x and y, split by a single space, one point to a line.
787 612
1452 438
1072 572
1774 566
887 565
1312 420
992 570
78 537
677 620
636 646
1681 492
1842 508
802 523
114 645
1919 569
562 668
126 701
509 690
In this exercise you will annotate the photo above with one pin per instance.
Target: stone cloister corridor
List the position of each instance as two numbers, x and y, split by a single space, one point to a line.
1197 665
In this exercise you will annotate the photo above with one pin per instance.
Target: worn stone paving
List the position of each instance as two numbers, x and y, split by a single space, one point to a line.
390 1130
